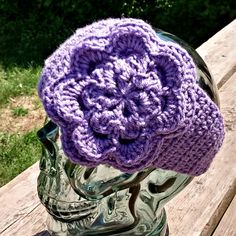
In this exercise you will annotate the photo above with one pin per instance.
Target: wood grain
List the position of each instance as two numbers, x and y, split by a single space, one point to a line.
18 198
33 223
219 53
228 223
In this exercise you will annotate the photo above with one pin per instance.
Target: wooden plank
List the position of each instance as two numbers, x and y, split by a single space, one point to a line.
199 208
33 223
205 195
18 198
219 53
227 226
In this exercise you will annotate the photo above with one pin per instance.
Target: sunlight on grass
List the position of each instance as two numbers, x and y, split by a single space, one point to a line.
19 111
17 152
16 81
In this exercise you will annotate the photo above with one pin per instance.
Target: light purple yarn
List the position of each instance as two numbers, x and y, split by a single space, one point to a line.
122 96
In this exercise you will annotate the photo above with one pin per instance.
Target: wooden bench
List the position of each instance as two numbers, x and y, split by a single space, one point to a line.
206 207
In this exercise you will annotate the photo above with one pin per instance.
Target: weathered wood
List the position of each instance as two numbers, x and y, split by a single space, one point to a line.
33 223
219 53
18 198
199 208
228 223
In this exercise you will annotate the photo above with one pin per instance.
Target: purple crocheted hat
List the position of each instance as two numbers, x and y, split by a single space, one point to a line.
124 97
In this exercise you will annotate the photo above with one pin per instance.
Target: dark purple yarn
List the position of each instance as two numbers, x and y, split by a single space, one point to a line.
124 97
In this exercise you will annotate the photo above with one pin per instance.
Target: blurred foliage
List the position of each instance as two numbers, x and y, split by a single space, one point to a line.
31 30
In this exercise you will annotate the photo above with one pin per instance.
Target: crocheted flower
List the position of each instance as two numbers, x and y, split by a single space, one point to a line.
117 91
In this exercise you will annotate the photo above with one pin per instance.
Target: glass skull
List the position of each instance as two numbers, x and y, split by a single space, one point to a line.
103 200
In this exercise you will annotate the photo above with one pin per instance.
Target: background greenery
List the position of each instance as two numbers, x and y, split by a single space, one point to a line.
17 153
30 30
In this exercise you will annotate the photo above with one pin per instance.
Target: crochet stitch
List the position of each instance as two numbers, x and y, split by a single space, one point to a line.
124 97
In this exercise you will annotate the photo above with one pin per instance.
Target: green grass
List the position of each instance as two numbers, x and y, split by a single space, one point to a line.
17 152
19 111
15 81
